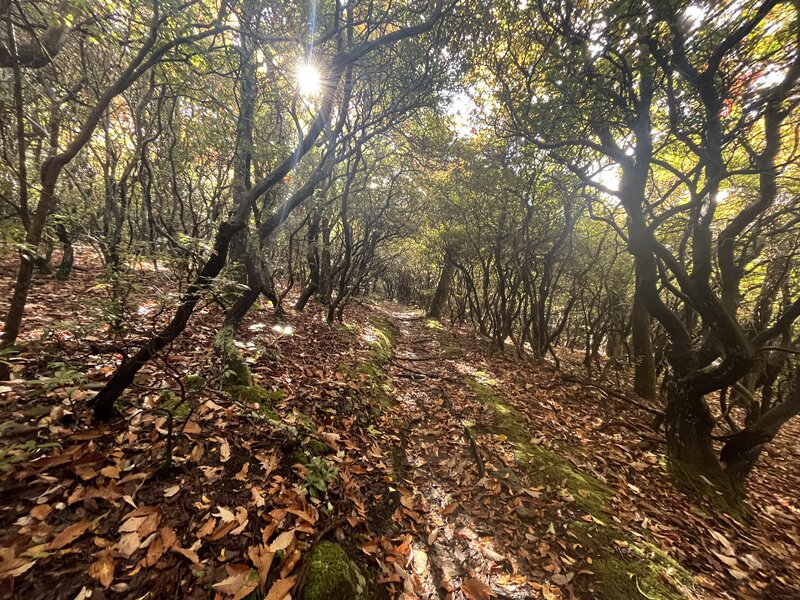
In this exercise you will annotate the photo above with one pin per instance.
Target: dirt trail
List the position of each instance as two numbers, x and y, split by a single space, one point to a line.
504 490
459 506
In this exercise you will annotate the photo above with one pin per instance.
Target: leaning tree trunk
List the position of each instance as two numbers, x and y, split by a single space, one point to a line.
439 299
741 451
123 377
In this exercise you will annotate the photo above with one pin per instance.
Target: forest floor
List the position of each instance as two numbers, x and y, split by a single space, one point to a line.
443 469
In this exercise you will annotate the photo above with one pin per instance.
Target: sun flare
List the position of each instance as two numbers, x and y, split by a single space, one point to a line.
309 81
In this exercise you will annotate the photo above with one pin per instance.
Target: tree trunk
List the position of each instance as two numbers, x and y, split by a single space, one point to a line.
27 259
741 451
693 461
644 382
67 255
312 257
439 299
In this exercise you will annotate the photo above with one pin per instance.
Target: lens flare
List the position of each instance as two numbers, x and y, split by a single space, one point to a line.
309 81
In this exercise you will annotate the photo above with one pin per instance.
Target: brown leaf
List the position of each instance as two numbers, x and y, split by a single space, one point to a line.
69 535
161 545
280 588
237 585
225 514
188 553
475 589
450 508
103 569
41 511
224 450
111 471
208 526
128 544
282 541
261 558
242 474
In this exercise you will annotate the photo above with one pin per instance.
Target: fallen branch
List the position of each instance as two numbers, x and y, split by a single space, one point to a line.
470 437
614 394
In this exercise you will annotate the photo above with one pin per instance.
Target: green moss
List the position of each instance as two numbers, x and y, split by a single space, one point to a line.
371 372
332 575
386 333
317 447
434 325
195 382
627 566
632 567
255 394
543 465
235 371
445 339
716 486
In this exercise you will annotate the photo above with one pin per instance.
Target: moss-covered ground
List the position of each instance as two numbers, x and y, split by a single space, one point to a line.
627 564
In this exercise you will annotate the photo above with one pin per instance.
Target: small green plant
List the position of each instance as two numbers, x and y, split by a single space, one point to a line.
63 377
318 475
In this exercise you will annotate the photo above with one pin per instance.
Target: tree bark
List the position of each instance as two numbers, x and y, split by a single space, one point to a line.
644 382
740 453
439 299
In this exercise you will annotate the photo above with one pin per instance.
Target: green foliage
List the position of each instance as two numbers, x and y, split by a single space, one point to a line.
319 474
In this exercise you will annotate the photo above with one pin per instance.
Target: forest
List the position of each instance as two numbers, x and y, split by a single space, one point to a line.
371 299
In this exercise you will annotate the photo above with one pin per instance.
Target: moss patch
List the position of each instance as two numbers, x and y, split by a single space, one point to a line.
255 394
627 566
333 576
632 567
542 464
371 372
235 371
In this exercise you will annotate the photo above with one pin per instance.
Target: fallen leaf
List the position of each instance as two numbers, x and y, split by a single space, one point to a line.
103 569
224 450
282 541
69 535
128 544
225 514
280 588
475 589
237 585
261 558
163 543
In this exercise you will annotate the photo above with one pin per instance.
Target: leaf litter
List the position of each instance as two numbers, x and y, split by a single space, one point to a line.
426 491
